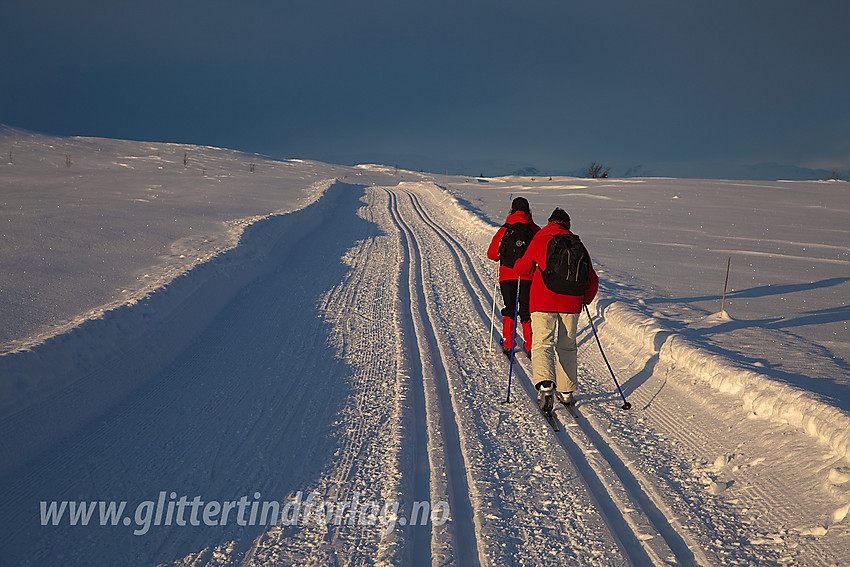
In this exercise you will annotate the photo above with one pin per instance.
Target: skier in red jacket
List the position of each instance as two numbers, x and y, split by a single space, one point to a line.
519 228
554 316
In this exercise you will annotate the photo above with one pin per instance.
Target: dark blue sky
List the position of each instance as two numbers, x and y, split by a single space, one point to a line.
554 84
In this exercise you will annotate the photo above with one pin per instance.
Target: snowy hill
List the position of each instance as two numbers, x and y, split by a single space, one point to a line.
213 358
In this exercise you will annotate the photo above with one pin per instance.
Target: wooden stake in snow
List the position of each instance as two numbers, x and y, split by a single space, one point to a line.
723 301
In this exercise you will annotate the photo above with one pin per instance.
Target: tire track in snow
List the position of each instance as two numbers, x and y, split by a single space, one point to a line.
458 544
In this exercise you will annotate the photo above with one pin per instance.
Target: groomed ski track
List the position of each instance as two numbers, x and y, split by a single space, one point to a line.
362 368
615 511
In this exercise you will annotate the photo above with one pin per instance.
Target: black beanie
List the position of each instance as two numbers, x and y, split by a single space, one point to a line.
561 217
520 204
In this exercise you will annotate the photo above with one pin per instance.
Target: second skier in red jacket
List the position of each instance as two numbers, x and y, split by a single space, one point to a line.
507 246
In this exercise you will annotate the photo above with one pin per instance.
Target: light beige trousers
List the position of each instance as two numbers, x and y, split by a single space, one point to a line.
553 350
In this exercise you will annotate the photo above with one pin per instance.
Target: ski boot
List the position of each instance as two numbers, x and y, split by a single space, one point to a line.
546 395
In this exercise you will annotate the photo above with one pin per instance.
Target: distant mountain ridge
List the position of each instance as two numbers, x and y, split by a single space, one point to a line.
764 171
495 167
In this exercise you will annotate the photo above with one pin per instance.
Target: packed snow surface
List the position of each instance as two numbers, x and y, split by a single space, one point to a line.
215 358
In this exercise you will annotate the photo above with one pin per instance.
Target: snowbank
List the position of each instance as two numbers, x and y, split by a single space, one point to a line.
758 393
55 387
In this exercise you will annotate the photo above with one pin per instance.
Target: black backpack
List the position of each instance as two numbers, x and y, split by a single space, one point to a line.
567 265
514 242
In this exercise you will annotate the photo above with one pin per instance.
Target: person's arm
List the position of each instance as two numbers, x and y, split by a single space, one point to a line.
524 267
493 251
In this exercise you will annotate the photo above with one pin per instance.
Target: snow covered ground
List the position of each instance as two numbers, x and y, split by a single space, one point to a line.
215 341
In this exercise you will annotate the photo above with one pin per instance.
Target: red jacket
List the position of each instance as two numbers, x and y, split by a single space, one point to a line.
506 273
542 298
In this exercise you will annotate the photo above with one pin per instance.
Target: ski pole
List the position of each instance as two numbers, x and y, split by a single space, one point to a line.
513 342
493 310
626 404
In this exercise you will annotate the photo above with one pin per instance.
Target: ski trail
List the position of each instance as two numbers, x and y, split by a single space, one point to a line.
448 477
626 533
636 505
637 516
416 414
681 546
471 280
489 430
364 309
642 524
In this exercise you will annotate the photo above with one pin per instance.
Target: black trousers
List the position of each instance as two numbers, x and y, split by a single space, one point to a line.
508 288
